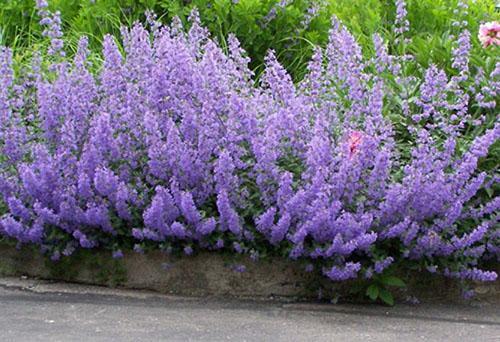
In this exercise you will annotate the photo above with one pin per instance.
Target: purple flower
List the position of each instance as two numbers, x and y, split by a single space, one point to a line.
117 254
56 256
383 264
219 244
138 249
468 294
402 24
229 219
40 4
254 255
237 247
350 270
188 250
239 268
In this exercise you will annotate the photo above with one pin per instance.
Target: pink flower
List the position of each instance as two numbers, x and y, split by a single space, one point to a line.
355 139
489 33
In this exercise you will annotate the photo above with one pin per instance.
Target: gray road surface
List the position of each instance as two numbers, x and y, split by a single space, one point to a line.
39 311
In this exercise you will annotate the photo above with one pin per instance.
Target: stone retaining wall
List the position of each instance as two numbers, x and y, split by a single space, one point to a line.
212 274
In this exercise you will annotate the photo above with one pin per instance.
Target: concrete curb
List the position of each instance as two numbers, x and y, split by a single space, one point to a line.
212 274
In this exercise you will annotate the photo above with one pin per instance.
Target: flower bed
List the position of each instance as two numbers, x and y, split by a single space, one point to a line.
172 146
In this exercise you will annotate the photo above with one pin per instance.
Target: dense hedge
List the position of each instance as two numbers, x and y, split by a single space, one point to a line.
172 145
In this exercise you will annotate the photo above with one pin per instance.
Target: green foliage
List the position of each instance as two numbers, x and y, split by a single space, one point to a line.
430 24
378 288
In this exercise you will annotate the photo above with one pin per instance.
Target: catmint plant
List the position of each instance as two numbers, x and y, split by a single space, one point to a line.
171 144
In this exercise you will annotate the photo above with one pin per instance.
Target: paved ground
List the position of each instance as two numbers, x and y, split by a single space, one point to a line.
39 311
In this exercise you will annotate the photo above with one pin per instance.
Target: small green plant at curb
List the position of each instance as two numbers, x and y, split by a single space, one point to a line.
378 289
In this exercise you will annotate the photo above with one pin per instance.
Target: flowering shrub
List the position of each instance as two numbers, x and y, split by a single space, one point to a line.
172 146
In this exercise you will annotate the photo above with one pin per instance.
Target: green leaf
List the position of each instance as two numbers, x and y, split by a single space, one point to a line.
393 281
386 297
372 291
489 191
357 288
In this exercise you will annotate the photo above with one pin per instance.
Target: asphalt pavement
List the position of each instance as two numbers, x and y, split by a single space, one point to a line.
32 310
